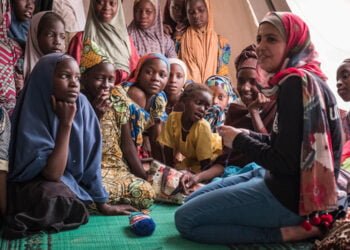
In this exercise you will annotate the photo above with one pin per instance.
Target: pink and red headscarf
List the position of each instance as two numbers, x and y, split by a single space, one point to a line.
300 53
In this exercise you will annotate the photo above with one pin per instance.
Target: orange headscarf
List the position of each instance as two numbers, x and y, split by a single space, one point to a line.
199 50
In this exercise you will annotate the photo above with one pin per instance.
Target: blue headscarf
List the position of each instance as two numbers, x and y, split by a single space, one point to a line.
18 30
34 135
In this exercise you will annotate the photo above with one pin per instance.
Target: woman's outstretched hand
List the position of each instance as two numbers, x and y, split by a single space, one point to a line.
228 134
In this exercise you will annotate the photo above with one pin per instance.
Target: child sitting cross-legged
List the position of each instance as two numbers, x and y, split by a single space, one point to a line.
189 133
122 173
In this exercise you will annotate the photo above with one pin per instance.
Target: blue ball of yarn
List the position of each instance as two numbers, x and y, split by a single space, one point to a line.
141 224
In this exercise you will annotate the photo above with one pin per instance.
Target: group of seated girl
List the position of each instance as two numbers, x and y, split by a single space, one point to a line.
125 114
89 146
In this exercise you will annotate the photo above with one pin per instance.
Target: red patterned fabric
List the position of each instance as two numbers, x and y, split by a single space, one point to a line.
10 51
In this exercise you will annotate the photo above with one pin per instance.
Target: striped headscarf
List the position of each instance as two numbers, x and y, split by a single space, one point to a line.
151 39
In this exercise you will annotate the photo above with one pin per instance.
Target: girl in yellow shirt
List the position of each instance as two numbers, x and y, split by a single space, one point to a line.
188 133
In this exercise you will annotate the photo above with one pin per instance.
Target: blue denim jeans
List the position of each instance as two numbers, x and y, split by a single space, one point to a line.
237 209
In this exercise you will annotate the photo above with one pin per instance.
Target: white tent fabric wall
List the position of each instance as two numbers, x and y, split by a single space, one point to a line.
329 24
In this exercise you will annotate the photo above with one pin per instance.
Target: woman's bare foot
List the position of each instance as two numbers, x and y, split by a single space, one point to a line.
297 233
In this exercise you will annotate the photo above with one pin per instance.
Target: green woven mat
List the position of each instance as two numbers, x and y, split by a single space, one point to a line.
112 232
103 232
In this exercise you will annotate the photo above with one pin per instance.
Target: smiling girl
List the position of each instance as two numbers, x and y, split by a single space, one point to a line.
122 173
105 26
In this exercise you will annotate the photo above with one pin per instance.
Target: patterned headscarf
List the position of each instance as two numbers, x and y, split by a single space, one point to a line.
300 52
112 37
215 115
92 55
224 83
317 181
247 58
151 39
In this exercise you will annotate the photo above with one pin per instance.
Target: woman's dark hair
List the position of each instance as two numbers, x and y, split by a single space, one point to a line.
49 18
192 89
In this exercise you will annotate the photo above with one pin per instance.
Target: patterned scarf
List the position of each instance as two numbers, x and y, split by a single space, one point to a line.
224 83
92 55
151 39
317 181
10 52
215 115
